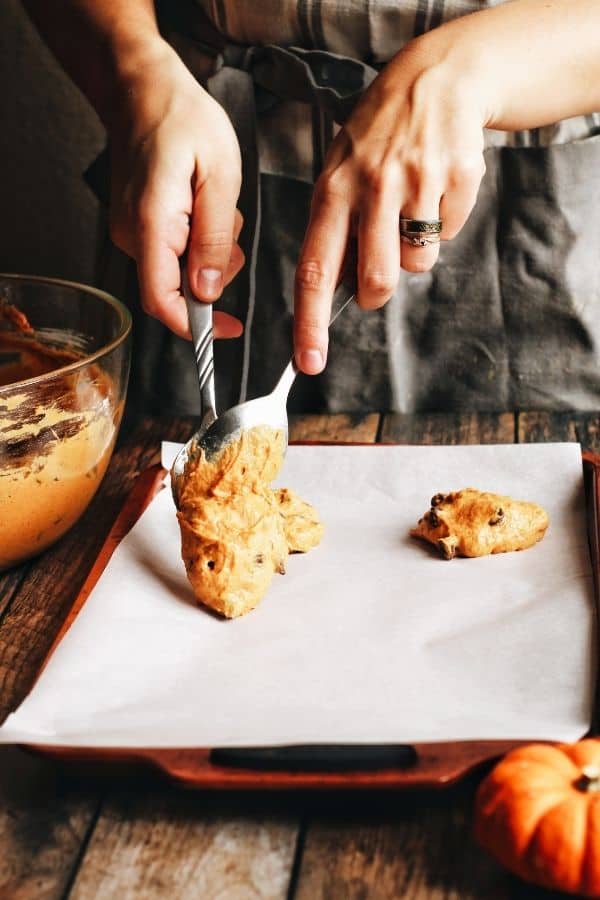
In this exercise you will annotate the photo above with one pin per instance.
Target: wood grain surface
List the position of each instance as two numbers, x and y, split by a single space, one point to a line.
125 834
160 844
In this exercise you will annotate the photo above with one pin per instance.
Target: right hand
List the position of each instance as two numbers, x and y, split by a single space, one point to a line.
176 175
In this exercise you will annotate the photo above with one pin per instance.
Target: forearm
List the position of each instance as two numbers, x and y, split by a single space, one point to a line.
101 45
531 62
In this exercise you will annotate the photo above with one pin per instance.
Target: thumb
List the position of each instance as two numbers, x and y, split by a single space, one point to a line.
212 236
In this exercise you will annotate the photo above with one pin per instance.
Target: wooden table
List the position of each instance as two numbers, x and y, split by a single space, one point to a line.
129 835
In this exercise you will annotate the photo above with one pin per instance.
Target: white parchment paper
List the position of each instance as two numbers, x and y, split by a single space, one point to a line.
369 638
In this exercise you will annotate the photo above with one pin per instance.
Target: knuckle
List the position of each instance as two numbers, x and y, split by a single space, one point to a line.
307 332
421 166
427 83
431 170
412 163
332 184
208 242
466 168
308 322
375 178
311 275
378 282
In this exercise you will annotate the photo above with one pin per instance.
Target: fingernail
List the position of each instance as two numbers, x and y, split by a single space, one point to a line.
311 361
210 282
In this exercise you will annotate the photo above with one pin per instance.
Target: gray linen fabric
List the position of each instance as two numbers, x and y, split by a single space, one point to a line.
510 316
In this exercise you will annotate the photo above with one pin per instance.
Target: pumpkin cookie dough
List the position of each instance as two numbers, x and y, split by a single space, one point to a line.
236 531
474 523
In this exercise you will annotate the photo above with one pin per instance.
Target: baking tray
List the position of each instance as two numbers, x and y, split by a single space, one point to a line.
430 765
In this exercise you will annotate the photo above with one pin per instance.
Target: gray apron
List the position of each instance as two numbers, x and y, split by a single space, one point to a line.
509 318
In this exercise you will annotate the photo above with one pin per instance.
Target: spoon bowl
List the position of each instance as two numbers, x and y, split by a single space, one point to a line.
213 434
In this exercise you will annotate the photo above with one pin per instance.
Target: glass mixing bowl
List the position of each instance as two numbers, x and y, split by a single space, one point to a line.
62 392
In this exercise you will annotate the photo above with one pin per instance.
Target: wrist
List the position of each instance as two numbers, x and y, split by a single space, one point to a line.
440 79
140 68
133 57
459 67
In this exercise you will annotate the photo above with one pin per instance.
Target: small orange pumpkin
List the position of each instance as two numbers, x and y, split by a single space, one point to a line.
538 813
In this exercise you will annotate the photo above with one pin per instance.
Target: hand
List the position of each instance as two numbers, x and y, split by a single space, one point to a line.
413 147
176 176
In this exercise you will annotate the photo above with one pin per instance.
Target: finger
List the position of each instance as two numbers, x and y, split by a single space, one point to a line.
236 262
212 235
159 278
316 275
425 204
226 326
459 197
238 223
160 231
378 249
172 312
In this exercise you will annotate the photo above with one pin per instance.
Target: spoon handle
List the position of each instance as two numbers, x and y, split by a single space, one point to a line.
339 311
201 325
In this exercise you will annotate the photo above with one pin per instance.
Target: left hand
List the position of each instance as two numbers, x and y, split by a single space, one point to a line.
413 146
176 174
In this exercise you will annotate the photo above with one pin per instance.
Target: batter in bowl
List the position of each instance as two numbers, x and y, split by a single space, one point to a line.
56 438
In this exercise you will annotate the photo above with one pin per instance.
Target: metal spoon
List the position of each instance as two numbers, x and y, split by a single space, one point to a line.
270 410
200 317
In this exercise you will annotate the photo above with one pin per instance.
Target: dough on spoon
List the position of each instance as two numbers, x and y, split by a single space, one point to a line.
474 523
236 531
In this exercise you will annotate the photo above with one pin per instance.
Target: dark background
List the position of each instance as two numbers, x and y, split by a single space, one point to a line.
49 134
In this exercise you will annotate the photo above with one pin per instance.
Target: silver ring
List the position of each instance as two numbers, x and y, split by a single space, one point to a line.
420 240
420 226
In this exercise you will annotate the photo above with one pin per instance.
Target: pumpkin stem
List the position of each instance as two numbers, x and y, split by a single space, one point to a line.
589 780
